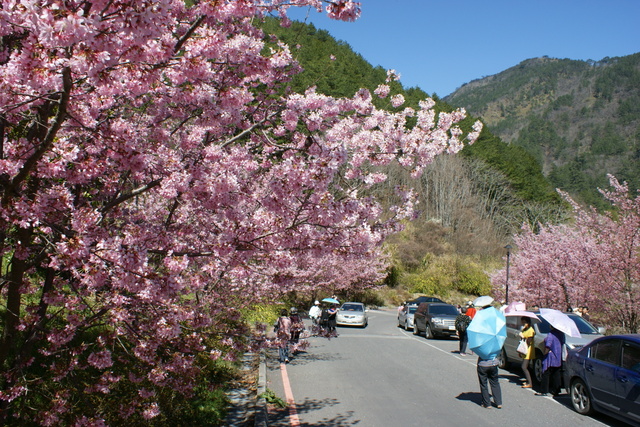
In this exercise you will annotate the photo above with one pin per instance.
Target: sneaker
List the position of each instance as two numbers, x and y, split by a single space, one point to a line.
525 385
541 394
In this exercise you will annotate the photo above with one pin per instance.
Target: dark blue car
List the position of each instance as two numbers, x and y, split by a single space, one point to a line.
604 376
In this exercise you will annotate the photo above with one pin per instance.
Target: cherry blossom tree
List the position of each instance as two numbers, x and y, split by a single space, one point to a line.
593 261
156 178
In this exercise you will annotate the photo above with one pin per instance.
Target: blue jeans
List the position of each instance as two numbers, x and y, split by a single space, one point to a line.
489 374
283 353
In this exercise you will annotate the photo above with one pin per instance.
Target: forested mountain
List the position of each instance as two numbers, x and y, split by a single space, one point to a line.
502 184
579 119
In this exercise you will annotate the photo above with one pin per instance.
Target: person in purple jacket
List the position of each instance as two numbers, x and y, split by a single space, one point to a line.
552 363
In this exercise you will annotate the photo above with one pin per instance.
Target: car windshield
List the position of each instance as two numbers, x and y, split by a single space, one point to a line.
583 326
443 309
352 307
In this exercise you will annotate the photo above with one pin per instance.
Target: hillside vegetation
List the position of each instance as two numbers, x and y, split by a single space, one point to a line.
579 119
469 204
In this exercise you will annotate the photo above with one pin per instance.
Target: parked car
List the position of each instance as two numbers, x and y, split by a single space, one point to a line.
352 314
405 316
588 333
435 319
422 299
604 376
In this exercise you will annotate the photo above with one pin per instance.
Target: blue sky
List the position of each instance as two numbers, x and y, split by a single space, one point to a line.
440 45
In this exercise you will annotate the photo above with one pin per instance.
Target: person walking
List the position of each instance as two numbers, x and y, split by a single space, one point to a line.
488 376
552 363
296 325
461 323
282 329
527 334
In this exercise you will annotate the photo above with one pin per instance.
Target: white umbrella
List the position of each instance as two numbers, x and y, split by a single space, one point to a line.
560 321
482 301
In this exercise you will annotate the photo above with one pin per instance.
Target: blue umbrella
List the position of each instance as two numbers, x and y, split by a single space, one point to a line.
331 301
487 333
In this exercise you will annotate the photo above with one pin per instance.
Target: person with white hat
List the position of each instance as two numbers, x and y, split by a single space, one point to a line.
314 313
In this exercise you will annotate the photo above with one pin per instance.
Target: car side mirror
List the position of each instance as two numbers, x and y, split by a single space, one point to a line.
602 330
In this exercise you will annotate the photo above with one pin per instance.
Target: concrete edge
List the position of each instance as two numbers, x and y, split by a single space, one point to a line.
261 415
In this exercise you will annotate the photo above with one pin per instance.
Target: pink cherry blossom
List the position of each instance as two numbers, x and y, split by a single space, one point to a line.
592 261
159 181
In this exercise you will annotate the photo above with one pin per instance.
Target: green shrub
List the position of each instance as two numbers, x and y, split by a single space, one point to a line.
471 279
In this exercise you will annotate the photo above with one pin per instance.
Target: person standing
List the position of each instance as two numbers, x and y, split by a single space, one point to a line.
471 310
488 376
283 334
331 321
462 322
314 315
552 363
585 313
527 334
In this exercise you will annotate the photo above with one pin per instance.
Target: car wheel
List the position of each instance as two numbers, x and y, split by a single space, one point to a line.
580 397
503 360
537 367
428 333
415 329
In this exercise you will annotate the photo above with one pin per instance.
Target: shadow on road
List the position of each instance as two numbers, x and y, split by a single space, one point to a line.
279 417
471 396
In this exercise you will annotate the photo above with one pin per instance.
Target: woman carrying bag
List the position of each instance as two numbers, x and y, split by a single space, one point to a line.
527 335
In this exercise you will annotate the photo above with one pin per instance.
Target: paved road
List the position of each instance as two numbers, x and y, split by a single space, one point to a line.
384 376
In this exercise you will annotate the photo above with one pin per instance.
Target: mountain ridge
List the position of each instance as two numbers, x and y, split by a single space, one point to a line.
579 119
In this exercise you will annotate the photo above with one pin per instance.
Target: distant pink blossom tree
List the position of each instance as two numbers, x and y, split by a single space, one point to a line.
593 261
156 178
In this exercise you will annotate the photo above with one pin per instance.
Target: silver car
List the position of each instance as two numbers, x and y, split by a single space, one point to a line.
352 314
588 333
405 316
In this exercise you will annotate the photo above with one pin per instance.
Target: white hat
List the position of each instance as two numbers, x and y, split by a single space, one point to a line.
317 302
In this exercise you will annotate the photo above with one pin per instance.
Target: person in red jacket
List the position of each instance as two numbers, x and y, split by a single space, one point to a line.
471 310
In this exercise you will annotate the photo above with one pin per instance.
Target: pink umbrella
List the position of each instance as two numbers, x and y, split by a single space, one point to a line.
523 313
515 306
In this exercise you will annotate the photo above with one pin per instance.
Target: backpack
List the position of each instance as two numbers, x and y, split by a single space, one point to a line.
462 321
